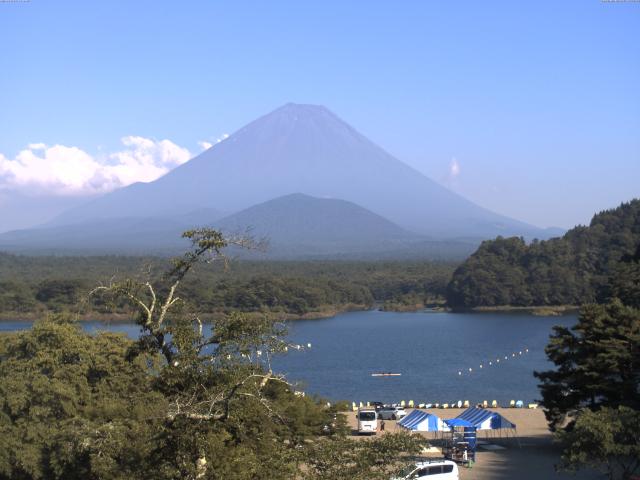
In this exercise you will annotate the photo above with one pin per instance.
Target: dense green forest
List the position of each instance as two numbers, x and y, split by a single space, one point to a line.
570 270
32 285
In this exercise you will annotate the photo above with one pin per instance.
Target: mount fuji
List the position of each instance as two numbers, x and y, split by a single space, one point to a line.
297 149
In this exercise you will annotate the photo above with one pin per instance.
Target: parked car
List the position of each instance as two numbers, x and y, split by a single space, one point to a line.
377 405
439 468
367 421
391 413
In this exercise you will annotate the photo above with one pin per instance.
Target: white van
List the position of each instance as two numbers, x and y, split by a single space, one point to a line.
434 469
367 420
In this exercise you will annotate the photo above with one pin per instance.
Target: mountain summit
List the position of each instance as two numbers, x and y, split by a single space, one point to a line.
304 149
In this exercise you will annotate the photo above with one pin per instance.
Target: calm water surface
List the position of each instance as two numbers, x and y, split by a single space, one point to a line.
429 350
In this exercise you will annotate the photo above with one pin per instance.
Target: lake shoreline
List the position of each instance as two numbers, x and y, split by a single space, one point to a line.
536 310
328 311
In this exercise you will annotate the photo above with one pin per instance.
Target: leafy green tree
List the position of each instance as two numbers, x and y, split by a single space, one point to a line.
72 406
597 363
607 440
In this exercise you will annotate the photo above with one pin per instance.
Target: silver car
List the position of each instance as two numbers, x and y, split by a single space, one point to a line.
391 413
442 469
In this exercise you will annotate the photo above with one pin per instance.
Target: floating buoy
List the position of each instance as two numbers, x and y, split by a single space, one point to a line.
497 360
308 345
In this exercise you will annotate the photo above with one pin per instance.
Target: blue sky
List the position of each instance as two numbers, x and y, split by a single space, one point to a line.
537 103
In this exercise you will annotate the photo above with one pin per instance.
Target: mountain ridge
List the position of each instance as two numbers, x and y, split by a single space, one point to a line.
308 149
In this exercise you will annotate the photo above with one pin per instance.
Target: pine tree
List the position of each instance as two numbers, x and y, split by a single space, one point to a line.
597 363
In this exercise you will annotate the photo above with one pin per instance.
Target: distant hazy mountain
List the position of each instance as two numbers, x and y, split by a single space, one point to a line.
307 149
298 224
18 210
551 232
131 235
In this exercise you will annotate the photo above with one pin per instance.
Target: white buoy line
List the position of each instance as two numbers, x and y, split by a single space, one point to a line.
496 362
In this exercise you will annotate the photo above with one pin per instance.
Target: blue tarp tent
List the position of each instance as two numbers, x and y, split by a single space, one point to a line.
484 419
422 422
458 422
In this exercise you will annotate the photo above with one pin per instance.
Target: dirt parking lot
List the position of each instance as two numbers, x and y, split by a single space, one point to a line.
530 456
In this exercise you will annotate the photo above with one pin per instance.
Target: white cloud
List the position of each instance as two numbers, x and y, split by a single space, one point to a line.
204 145
454 168
65 170
450 179
37 146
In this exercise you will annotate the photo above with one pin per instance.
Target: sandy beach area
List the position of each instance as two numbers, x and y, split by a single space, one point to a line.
530 456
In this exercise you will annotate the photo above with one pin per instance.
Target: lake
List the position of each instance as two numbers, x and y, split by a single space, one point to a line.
432 350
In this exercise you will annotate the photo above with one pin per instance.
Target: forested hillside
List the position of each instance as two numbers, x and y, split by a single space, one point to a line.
570 270
29 285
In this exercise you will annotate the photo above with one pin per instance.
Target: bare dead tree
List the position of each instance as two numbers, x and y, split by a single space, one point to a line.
154 301
209 372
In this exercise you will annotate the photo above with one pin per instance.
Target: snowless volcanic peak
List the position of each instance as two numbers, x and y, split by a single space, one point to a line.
305 149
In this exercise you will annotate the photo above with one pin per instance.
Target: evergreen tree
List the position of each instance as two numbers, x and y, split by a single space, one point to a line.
597 363
625 281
